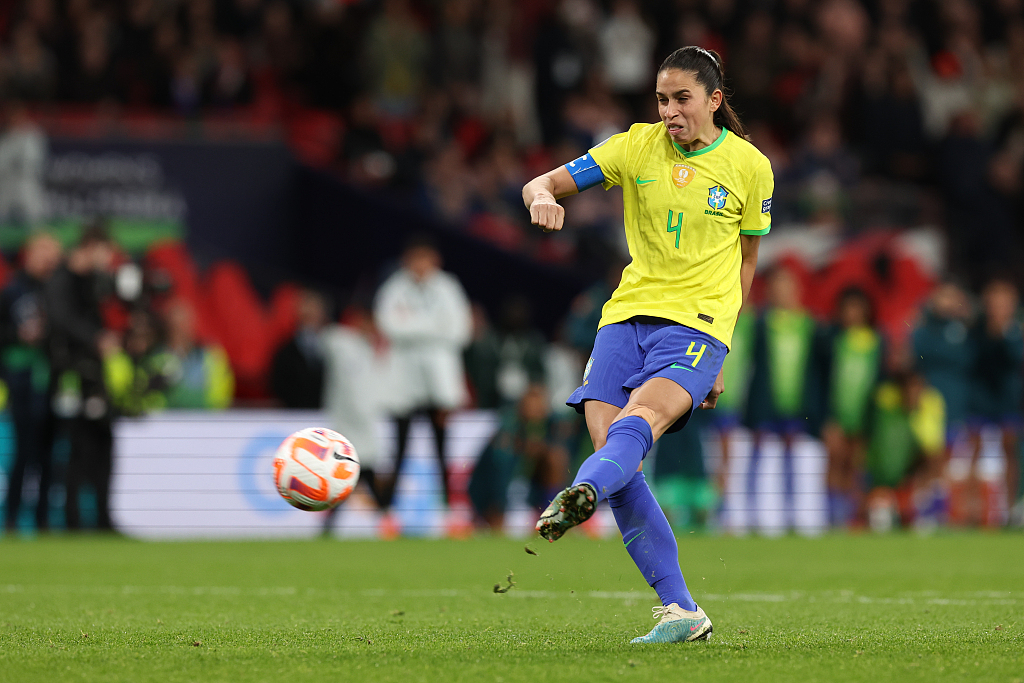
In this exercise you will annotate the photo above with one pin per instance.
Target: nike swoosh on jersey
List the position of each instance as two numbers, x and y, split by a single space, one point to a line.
681 367
644 182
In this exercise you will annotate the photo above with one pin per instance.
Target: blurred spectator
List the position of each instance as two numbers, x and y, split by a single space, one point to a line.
684 489
297 369
133 375
563 368
585 314
562 48
528 443
853 355
25 369
905 460
481 360
505 363
198 375
996 389
944 353
357 385
94 78
782 389
627 52
31 67
972 201
824 170
894 141
23 151
396 57
79 343
456 58
364 154
425 316
754 64
229 82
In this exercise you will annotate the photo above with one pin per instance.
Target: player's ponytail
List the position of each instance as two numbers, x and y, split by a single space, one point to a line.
707 66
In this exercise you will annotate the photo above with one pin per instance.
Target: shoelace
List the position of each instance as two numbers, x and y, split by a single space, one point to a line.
661 611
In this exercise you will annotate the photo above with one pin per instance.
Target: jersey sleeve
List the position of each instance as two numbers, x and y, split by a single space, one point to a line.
757 210
611 156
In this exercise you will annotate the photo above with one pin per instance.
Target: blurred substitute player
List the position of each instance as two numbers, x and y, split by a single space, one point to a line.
697 199
996 387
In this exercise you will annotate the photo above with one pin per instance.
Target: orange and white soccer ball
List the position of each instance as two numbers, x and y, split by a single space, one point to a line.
315 469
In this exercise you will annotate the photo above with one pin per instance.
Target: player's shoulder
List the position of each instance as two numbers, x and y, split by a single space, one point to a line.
643 134
745 154
636 134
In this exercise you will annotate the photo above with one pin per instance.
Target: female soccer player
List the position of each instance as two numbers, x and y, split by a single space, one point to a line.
697 199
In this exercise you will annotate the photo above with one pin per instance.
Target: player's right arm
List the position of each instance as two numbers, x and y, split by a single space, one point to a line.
541 193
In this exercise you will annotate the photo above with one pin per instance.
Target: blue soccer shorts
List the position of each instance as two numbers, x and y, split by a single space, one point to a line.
629 353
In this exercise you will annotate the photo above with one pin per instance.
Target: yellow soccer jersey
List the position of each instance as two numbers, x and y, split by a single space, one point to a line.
684 214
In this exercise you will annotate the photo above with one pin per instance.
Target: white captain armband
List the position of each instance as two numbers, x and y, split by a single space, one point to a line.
585 172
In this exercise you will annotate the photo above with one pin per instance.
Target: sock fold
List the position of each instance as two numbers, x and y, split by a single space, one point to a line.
612 467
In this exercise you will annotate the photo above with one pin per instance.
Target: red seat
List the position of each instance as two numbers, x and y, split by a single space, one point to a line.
240 325
283 313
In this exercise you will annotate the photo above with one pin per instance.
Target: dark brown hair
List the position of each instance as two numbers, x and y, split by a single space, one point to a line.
706 65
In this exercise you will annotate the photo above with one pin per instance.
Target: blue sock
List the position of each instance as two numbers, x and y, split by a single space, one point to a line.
611 467
650 541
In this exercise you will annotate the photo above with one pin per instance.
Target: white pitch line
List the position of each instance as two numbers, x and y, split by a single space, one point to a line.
968 599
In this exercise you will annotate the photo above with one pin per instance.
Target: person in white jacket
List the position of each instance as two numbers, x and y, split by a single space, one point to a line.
357 387
425 316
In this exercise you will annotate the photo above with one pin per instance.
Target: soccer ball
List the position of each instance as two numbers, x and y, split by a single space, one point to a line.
315 469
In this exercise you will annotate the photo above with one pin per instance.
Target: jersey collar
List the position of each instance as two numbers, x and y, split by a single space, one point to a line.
702 150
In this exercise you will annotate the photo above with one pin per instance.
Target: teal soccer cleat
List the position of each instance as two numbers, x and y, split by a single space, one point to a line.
571 507
677 626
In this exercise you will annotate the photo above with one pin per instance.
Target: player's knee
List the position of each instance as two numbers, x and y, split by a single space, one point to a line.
644 411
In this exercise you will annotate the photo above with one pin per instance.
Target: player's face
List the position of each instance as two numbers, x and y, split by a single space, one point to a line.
685 109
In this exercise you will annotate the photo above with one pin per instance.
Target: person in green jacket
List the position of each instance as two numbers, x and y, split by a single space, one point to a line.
199 377
906 447
728 413
133 374
783 388
853 354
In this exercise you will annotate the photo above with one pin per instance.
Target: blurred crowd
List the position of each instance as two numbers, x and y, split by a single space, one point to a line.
81 344
874 113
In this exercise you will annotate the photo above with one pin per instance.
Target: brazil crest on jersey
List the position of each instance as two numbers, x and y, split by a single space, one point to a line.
684 214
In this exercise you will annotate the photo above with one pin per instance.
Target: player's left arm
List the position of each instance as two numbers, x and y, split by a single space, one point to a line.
748 264
749 245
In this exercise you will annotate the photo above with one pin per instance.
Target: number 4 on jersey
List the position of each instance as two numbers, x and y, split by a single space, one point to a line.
677 228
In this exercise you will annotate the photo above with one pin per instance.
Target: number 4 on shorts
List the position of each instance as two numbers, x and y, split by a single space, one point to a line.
698 354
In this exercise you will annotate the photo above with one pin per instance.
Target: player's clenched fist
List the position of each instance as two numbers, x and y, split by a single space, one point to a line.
547 214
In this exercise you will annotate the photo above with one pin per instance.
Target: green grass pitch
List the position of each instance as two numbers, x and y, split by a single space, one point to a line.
838 608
